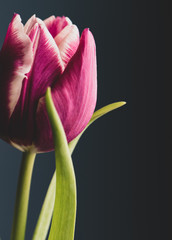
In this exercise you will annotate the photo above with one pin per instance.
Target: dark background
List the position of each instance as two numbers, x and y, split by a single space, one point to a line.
123 162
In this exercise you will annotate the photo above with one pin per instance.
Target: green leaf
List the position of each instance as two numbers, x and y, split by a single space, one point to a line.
99 113
46 213
48 205
102 111
64 214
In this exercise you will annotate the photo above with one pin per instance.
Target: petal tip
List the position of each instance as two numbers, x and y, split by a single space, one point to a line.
87 33
87 38
68 20
16 17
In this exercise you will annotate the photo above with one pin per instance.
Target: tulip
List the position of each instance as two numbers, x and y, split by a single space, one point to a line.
33 57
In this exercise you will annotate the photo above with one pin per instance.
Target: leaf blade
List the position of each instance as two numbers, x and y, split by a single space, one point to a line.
64 214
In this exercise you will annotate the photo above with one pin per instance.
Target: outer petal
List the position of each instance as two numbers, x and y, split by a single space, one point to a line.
67 41
56 24
46 67
15 61
74 95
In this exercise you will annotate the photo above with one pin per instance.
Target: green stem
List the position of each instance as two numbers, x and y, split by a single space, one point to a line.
22 196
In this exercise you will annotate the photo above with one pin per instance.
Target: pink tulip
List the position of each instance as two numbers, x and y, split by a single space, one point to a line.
38 55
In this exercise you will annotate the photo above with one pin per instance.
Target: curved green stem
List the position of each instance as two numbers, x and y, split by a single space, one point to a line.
22 196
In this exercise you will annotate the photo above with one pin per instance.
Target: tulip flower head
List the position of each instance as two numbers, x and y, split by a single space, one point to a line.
33 57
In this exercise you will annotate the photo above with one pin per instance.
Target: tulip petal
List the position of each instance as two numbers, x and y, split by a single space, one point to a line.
74 95
67 41
56 24
47 63
15 61
29 24
46 68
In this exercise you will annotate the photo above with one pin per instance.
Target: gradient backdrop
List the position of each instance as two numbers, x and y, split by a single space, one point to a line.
123 162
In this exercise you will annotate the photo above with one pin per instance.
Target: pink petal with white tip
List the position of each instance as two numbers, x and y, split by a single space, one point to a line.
74 95
56 24
47 66
15 62
67 41
29 24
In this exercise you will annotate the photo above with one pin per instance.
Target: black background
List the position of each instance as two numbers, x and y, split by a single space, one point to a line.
123 162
